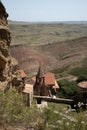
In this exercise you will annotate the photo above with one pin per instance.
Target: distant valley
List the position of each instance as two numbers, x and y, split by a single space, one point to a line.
54 45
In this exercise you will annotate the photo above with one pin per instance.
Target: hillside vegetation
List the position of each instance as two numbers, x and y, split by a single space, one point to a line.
14 115
45 33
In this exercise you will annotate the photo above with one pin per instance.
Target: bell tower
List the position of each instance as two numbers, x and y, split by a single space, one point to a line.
40 76
40 81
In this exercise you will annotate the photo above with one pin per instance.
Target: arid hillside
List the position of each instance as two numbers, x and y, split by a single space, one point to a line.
56 45
66 54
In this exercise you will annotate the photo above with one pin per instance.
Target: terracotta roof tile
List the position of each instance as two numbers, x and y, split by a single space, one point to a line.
49 79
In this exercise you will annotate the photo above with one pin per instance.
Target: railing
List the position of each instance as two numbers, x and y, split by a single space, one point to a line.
55 100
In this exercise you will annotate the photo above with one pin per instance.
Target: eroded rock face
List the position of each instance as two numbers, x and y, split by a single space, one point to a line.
8 65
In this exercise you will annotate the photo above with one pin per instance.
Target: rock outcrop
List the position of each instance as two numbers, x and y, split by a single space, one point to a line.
8 65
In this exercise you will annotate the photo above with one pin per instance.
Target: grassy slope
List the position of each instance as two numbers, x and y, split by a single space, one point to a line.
45 33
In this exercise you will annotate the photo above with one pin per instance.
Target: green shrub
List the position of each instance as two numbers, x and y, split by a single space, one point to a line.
60 70
79 71
81 78
13 111
67 89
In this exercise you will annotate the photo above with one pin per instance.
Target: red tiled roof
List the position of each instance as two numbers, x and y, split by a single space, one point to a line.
49 79
22 74
83 84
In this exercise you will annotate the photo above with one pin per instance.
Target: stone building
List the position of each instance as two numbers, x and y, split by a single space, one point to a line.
28 94
45 84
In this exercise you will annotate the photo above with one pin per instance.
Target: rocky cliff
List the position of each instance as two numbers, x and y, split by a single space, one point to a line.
8 65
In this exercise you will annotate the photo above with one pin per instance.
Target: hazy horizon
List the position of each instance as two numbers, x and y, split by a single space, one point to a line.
47 21
47 10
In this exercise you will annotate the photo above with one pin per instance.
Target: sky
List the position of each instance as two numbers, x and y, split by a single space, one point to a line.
46 10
